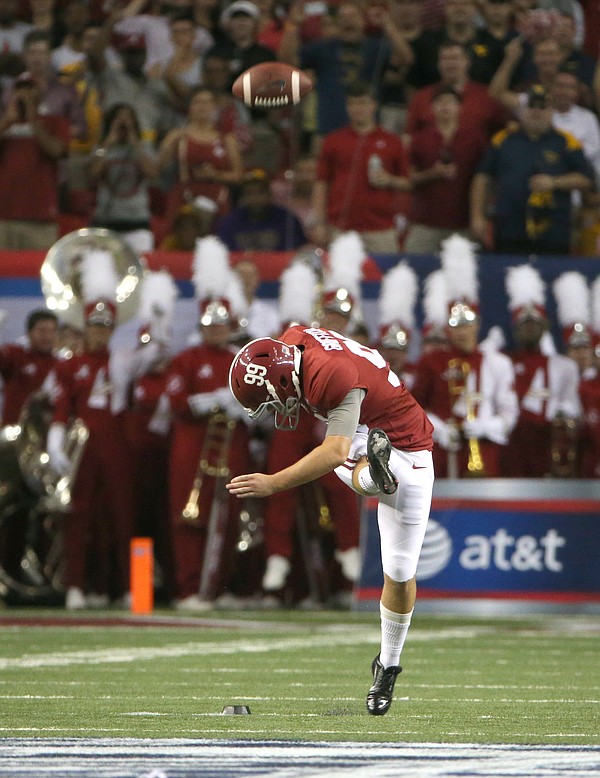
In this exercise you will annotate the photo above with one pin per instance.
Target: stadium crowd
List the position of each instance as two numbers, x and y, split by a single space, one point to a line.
434 126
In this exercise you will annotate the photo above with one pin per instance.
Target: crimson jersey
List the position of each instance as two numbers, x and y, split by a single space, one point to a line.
84 390
23 372
333 365
194 371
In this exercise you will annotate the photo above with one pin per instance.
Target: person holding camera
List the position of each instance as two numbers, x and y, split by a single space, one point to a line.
31 144
122 167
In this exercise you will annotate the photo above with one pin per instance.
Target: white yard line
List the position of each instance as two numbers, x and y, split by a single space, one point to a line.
249 646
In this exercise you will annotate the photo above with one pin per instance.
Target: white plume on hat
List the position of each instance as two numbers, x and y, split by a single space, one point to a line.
297 288
459 263
525 286
346 256
572 298
99 279
157 301
213 277
435 299
157 295
398 295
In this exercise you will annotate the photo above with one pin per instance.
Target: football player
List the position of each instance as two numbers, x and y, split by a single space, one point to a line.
378 442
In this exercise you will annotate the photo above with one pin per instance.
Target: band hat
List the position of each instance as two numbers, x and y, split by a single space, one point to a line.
435 311
343 275
240 7
397 299
101 312
99 283
573 308
297 292
577 335
217 288
459 264
526 292
394 335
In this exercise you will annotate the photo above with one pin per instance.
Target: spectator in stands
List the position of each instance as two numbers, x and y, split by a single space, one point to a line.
132 85
534 169
396 80
207 162
443 162
340 60
240 22
232 114
122 168
566 115
182 70
154 28
56 99
546 60
45 18
31 144
478 109
194 220
75 16
12 33
270 24
359 169
256 224
294 189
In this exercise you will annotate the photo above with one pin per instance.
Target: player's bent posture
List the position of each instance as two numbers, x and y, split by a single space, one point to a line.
378 441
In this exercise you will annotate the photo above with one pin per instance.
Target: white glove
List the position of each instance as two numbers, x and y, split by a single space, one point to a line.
446 435
493 427
203 403
55 443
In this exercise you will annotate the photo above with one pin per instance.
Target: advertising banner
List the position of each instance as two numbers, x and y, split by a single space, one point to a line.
536 540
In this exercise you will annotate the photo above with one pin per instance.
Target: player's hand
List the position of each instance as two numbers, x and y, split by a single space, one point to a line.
251 485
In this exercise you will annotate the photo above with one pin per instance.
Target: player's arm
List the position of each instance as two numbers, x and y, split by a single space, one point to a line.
331 453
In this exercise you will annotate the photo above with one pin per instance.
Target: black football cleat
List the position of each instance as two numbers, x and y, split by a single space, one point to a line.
380 694
378 457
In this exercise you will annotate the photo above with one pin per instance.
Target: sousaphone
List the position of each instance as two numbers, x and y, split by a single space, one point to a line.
61 286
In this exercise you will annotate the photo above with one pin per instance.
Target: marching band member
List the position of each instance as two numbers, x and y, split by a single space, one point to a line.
574 314
148 420
204 525
25 365
546 383
100 521
468 394
397 298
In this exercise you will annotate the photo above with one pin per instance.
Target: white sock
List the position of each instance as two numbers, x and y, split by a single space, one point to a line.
366 481
394 628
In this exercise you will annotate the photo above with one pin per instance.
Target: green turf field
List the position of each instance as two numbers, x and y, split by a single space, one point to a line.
304 676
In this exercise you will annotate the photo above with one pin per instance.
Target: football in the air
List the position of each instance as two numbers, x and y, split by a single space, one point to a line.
271 85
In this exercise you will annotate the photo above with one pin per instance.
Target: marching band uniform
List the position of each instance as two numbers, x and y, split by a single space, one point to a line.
100 520
148 422
468 394
24 368
197 387
546 384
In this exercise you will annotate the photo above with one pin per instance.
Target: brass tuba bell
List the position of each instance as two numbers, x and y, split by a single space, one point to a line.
60 274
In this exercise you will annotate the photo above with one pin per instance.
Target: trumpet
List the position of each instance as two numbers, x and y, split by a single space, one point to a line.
563 447
459 370
212 462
